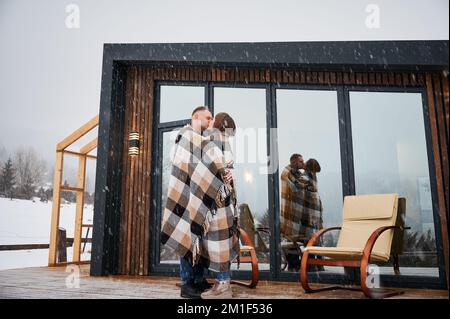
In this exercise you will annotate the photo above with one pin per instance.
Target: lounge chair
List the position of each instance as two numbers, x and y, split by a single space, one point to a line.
366 235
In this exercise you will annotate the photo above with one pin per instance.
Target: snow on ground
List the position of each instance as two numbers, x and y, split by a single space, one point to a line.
28 222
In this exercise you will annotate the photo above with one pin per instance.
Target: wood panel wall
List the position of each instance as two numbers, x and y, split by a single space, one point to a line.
135 210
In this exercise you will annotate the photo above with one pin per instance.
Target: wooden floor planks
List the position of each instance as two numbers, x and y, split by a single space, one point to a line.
50 283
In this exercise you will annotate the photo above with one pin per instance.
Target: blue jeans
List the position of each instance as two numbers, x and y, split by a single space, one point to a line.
223 276
195 274
189 273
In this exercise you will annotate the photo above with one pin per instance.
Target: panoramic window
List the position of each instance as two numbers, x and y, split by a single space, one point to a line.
308 125
390 155
177 102
247 106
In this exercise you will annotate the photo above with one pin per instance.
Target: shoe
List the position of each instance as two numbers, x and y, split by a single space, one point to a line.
190 291
203 285
221 290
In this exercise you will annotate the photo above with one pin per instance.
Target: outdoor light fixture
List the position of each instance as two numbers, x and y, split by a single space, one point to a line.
134 144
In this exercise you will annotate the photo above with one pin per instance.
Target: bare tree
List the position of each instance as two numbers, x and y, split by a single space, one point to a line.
30 170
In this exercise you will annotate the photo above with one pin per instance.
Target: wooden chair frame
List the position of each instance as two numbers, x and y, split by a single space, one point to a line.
361 264
253 259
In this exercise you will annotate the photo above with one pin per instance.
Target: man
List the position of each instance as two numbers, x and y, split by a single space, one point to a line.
192 278
291 208
193 187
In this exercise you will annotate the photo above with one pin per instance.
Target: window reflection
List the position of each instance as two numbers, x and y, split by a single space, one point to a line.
177 102
247 106
308 125
167 255
390 155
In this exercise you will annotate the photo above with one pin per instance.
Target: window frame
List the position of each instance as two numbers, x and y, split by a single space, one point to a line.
438 281
347 174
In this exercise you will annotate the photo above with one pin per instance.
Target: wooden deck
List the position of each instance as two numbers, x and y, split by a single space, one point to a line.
44 282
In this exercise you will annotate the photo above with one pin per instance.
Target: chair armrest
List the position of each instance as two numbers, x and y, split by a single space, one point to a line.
373 238
319 234
245 238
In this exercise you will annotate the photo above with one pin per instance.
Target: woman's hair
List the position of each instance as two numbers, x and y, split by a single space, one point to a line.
224 122
312 165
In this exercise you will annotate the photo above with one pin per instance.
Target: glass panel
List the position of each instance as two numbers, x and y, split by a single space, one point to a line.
177 102
247 107
167 255
390 155
308 125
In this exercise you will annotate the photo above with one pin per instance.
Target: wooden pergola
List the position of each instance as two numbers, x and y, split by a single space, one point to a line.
58 188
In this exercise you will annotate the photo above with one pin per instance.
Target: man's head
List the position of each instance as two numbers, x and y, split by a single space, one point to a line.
297 161
201 118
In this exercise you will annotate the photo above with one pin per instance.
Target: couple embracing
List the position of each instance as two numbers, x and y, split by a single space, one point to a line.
200 220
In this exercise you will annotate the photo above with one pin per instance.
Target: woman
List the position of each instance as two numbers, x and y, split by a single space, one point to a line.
221 240
312 219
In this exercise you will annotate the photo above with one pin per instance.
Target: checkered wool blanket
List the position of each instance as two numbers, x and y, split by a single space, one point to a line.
301 207
199 216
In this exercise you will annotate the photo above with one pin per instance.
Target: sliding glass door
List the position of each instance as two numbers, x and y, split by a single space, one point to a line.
308 125
176 103
390 155
365 139
247 106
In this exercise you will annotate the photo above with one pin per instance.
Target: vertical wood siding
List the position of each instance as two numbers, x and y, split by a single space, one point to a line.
134 238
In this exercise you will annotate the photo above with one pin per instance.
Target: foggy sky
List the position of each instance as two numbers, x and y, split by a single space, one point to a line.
50 76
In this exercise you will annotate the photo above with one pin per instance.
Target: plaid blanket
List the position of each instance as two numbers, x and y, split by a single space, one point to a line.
194 223
301 207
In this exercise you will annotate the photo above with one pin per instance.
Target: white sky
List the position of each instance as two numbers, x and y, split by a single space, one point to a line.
50 75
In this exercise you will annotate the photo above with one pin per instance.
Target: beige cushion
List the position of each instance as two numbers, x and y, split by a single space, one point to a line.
355 234
363 214
374 206
345 253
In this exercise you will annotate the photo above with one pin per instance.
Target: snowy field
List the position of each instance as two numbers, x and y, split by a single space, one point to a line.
28 222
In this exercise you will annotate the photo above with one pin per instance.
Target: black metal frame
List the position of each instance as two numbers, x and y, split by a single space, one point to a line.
108 180
367 56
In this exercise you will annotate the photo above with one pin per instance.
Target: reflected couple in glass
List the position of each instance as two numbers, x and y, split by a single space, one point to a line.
301 208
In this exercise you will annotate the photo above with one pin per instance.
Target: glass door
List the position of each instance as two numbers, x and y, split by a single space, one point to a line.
247 106
365 140
308 125
389 142
174 105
